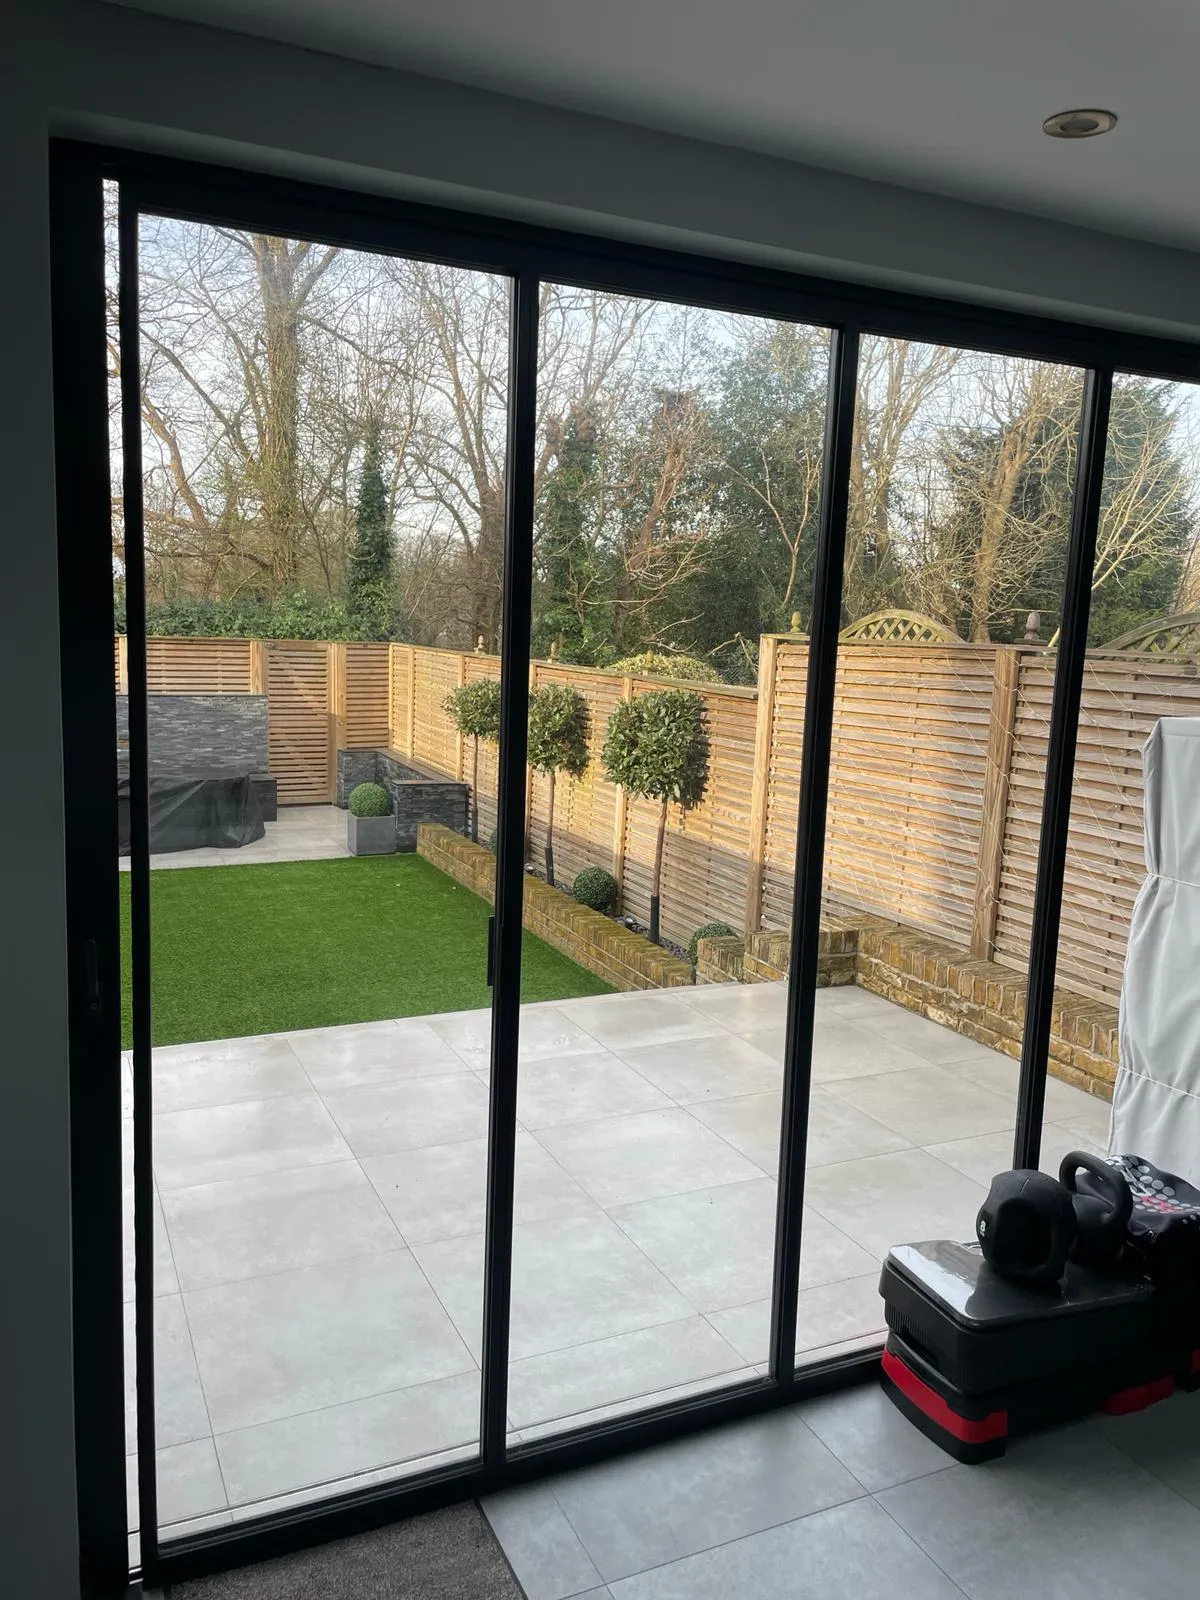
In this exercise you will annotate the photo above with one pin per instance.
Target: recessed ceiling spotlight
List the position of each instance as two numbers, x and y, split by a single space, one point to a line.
1079 124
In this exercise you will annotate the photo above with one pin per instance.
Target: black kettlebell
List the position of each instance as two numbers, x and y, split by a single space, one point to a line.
1101 1219
1026 1227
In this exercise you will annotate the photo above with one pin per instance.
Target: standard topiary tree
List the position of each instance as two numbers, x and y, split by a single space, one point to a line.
474 709
369 800
559 722
595 888
656 748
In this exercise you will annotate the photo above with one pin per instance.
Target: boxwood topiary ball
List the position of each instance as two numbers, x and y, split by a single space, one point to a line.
369 800
710 930
596 888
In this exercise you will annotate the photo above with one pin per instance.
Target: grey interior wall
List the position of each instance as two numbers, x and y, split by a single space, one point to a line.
78 66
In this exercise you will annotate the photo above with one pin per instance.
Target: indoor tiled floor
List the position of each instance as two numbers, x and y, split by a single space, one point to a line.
842 1499
320 1211
302 833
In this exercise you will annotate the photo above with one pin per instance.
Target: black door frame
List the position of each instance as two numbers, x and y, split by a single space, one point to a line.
526 255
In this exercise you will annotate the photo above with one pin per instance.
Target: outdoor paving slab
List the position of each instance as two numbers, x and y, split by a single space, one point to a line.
627 1021
837 1131
617 1371
545 1030
924 1037
697 1070
1001 1075
741 1006
350 1057
849 1552
928 1105
188 1480
440 1192
246 1227
180 1413
986 1154
165 1281
846 1049
1038 1522
542 1548
552 1090
387 1117
574 1280
297 1341
211 1143
341 1441
827 1314
186 1076
690 1495
895 1199
646 1153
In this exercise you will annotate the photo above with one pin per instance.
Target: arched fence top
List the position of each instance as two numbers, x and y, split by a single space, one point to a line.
1166 636
900 627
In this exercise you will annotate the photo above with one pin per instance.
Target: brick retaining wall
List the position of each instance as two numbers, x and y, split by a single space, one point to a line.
613 952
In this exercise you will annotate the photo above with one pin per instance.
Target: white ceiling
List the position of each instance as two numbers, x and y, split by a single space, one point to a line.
947 95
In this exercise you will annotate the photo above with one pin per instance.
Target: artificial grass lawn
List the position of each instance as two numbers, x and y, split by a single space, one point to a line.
306 944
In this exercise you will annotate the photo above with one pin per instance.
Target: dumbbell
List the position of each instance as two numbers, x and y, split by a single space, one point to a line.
1031 1224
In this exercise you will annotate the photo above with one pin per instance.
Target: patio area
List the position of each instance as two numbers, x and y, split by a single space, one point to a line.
320 1206
301 833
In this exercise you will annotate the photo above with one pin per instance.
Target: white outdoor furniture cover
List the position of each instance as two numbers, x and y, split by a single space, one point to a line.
1156 1102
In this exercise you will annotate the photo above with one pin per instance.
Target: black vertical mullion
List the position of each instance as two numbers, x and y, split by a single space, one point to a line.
810 844
510 864
83 506
139 879
1060 765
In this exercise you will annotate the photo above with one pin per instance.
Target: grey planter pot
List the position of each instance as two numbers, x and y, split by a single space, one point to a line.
371 836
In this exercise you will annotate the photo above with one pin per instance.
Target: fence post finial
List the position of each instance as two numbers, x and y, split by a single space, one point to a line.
795 622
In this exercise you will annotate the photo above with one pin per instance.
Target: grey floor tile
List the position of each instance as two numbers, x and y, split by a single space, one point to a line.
227 1070
213 1143
607 1372
277 1458
673 1501
188 1480
748 1122
1165 1440
867 1434
837 1131
246 1227
1090 1118
709 1069
896 1199
298 1341
639 1019
646 1153
574 1280
742 1007
541 1546
373 1052
928 1105
1001 1074
1067 1514
986 1154
930 1040
544 1031
849 1552
388 1117
165 1281
832 1314
848 1000
181 1415
552 1090
439 1192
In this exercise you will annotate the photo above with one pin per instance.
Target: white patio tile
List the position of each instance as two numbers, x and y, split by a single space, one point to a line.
388 1117
350 1057
276 1221
895 1199
696 1070
188 1480
622 1159
439 1192
180 1413
580 1088
544 1031
844 1049
742 1006
213 1143
827 1314
625 1021
983 1156
186 1076
341 1441
575 1280
715 1245
292 1342
928 1105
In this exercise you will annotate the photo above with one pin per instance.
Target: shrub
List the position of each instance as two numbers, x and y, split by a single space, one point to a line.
596 888
655 747
710 930
493 840
656 664
559 722
369 800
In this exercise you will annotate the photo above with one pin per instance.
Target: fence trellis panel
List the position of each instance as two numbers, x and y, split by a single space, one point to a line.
299 731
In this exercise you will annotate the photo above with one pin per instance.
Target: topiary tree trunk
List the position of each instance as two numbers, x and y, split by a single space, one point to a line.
474 709
660 839
558 742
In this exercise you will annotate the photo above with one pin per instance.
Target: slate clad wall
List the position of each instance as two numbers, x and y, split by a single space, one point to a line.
201 732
